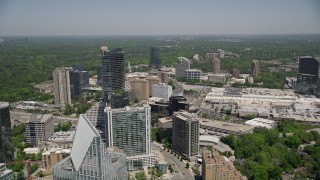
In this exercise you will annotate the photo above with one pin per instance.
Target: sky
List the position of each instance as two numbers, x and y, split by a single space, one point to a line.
158 17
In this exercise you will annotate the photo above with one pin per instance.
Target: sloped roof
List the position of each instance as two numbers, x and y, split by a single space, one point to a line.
84 135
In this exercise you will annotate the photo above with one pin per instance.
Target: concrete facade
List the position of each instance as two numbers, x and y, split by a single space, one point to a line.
61 85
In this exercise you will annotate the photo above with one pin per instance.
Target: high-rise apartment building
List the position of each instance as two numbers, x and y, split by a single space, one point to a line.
79 78
61 85
185 135
89 159
216 66
151 81
141 88
6 147
155 61
39 128
182 66
129 129
255 68
215 167
112 70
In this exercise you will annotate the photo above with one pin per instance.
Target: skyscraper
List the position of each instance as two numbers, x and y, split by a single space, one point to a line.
155 61
61 88
6 148
216 66
79 78
112 70
255 68
185 135
182 65
129 129
89 159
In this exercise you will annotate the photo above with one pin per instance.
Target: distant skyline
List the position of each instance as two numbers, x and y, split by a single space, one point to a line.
165 17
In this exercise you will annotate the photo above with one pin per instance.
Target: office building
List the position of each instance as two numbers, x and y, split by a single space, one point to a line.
236 73
221 53
119 99
185 135
141 88
255 68
39 128
155 61
89 159
61 139
112 70
192 74
177 102
215 167
152 80
53 156
308 73
5 174
162 91
79 78
212 55
163 76
217 78
6 147
61 85
216 63
96 116
129 129
182 65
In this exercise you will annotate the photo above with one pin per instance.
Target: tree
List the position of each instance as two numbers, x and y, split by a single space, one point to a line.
170 168
292 142
68 110
187 165
141 175
34 167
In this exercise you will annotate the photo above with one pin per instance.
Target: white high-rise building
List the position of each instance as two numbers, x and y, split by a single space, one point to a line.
162 91
129 129
61 85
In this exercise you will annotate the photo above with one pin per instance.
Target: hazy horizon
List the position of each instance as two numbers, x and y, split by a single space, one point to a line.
159 18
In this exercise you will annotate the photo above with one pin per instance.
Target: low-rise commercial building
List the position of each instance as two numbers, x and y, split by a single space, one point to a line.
215 166
162 91
5 174
61 139
193 74
225 127
53 156
217 78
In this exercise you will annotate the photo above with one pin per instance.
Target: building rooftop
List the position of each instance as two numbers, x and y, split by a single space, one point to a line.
62 136
239 128
4 104
141 107
260 122
186 116
193 70
39 118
